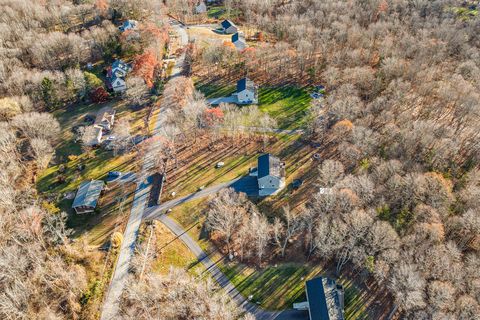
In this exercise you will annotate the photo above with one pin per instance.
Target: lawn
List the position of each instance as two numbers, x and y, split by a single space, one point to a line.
219 12
287 105
170 251
215 90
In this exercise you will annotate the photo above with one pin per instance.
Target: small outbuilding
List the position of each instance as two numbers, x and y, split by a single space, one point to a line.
229 27
247 92
87 196
239 41
270 175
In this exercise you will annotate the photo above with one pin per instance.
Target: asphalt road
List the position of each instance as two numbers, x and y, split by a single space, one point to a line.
111 303
223 280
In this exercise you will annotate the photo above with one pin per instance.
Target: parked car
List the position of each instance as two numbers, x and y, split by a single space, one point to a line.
219 164
297 183
201 188
114 175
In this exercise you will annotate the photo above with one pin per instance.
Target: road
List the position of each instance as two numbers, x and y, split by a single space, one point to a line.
157 211
224 282
117 284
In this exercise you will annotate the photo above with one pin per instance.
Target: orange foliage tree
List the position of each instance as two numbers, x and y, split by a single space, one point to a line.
144 66
213 116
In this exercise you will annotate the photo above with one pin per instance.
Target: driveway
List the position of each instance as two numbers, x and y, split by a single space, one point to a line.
223 280
157 211
217 101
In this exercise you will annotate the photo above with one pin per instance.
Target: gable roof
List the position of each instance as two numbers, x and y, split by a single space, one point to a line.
227 24
88 194
269 165
235 37
120 65
105 114
323 299
245 83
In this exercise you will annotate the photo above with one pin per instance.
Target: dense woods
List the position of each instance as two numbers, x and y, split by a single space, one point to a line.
401 118
395 197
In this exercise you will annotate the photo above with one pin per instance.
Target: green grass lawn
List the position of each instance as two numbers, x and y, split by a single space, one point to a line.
219 12
287 105
215 90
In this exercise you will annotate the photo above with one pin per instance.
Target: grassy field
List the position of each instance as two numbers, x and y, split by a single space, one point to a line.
287 105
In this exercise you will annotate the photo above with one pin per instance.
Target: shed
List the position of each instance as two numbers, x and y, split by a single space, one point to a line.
87 196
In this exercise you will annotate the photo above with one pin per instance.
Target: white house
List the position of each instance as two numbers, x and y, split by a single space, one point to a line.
87 196
239 41
128 25
118 84
95 137
247 92
201 7
120 68
229 27
270 175
105 118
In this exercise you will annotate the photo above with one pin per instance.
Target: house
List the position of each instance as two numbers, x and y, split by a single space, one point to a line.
270 175
118 84
120 68
201 7
95 138
128 25
325 299
105 118
229 27
87 196
247 92
239 41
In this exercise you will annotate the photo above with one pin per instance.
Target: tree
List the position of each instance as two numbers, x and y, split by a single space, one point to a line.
9 108
136 90
37 125
42 151
144 67
99 95
48 94
408 285
285 231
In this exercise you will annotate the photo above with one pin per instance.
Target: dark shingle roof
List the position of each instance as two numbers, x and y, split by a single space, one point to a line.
245 83
227 24
323 299
235 37
88 194
269 165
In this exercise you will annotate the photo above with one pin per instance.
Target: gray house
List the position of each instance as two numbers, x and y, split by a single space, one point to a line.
270 175
239 41
87 196
229 27
247 92
325 299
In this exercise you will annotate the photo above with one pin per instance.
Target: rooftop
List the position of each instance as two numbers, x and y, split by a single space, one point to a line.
227 24
88 194
323 299
245 83
270 165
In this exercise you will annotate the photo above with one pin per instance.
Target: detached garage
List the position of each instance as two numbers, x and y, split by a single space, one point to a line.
87 196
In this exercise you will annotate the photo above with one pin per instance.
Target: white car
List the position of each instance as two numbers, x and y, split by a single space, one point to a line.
219 164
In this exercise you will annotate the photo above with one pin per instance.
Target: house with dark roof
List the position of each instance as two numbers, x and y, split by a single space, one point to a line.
270 175
247 92
120 68
87 196
239 41
229 27
325 299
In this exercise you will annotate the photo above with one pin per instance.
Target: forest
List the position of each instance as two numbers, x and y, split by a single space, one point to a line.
395 199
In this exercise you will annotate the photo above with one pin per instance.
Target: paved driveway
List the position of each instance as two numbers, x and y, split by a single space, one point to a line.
217 101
